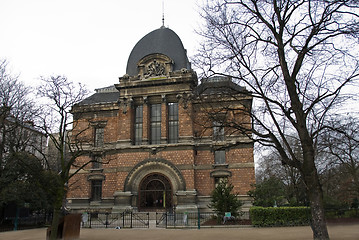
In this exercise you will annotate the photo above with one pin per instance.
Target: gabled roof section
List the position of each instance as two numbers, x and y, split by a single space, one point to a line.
218 85
102 95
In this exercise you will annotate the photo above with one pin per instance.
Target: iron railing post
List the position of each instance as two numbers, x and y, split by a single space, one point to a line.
17 218
174 218
199 219
131 220
156 220
90 219
106 222
166 215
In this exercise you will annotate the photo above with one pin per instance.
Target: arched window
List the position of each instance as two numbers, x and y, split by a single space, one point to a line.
155 192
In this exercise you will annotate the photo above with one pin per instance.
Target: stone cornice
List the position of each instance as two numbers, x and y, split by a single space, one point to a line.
126 146
95 107
179 167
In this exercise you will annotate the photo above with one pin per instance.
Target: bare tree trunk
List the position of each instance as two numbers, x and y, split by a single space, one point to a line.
55 222
57 214
315 196
314 191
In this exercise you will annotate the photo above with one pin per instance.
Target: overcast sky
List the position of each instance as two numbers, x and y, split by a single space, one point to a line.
88 41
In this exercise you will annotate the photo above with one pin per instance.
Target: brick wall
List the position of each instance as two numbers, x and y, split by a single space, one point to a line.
124 125
185 120
195 163
204 183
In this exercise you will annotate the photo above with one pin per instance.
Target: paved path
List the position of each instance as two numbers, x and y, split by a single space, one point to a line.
337 232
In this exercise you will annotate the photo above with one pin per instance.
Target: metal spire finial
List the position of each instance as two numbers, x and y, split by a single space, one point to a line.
163 13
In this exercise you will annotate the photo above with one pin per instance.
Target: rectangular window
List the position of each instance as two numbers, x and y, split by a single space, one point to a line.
172 122
96 190
218 131
156 124
138 124
99 132
220 157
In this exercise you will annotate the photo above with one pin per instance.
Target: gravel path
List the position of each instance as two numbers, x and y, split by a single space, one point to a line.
348 231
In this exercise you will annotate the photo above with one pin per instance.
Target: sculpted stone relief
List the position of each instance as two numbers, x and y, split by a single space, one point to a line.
154 65
155 68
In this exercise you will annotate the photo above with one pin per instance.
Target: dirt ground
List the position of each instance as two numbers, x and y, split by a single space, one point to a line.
347 231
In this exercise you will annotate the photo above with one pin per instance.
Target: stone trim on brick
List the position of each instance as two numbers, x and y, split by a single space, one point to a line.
96 176
221 173
150 166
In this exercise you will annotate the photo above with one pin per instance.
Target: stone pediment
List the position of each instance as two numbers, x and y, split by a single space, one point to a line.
154 66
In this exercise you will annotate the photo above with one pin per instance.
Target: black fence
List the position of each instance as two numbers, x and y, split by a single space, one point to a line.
22 223
115 220
335 213
193 219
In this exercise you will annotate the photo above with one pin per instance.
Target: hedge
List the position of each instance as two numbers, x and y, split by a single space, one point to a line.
280 216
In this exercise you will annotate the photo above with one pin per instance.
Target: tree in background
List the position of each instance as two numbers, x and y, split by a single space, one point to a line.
277 184
21 146
339 144
24 180
291 186
296 58
337 161
270 192
59 95
17 115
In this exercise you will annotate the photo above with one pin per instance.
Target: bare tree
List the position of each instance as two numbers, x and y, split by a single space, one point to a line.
59 96
16 110
270 166
17 116
340 141
296 58
21 145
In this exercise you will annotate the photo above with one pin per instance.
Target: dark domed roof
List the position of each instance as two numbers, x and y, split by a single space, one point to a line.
164 41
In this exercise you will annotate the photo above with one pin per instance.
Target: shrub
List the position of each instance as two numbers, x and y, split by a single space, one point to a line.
280 216
223 200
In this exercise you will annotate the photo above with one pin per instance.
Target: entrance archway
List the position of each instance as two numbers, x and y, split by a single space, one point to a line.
155 192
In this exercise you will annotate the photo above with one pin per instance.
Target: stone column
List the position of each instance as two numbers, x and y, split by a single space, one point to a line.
122 202
186 201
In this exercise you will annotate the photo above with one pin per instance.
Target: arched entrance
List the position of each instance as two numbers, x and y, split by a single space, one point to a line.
155 193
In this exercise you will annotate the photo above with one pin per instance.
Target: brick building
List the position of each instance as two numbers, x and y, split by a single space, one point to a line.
154 147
